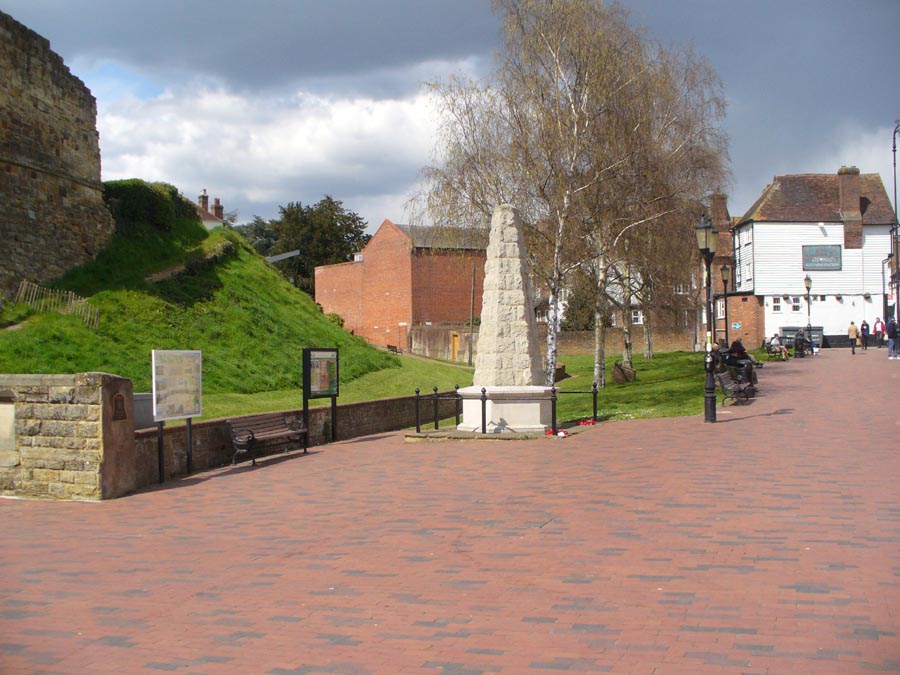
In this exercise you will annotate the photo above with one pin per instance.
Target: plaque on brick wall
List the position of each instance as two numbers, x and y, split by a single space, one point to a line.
177 384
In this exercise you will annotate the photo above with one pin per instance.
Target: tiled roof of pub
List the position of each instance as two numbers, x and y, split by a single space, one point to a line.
814 197
465 238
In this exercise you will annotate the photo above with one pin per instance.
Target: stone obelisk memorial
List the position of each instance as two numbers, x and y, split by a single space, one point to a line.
508 362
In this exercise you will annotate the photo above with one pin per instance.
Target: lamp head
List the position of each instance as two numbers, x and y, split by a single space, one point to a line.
808 283
707 235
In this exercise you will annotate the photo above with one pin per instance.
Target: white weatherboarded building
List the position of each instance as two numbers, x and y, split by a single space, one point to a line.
835 228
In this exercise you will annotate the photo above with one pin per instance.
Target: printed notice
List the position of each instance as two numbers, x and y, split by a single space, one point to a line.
177 384
323 373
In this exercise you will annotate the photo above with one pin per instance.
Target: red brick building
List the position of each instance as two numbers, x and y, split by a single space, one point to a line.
405 276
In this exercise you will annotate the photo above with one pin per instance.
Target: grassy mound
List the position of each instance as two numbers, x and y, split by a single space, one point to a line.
207 291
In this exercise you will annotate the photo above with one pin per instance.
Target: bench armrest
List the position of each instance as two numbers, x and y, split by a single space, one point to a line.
242 435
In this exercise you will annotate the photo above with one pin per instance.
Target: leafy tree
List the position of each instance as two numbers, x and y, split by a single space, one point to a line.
260 234
325 233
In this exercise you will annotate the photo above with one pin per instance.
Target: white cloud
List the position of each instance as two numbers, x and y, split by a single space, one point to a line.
258 152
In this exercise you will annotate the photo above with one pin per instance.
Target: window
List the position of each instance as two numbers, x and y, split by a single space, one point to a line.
681 289
795 304
637 317
720 308
776 304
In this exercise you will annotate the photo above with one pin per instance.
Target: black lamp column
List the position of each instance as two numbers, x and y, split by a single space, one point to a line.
895 233
808 283
707 237
726 275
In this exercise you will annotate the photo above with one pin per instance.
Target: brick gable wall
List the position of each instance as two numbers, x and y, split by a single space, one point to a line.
442 285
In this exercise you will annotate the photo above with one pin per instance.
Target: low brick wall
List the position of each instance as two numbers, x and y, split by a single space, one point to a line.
66 436
212 444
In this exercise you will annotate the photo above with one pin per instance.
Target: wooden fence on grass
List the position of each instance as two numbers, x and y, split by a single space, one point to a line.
43 299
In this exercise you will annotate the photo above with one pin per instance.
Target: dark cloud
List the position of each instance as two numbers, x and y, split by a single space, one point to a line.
266 43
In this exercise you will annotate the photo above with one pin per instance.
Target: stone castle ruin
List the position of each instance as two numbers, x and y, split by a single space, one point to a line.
53 216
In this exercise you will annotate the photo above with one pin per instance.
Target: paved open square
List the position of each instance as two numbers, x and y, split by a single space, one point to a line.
766 543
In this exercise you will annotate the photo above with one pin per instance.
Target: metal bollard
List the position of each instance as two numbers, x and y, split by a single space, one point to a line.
418 416
483 410
457 404
553 409
436 403
594 392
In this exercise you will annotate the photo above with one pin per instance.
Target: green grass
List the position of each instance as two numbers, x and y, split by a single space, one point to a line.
669 385
388 383
252 325
248 321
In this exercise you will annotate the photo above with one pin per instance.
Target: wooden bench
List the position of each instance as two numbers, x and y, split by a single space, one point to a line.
739 391
248 432
394 349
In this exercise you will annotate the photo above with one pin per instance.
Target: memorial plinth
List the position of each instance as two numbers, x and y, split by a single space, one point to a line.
506 409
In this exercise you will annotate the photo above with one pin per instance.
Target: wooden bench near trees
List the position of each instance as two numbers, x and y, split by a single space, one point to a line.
248 432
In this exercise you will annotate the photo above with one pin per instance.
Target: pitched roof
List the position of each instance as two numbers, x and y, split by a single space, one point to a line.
814 197
463 238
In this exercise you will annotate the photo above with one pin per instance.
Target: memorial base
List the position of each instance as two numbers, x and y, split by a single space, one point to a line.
507 409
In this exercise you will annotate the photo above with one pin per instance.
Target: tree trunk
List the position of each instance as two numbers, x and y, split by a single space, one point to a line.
627 352
648 335
600 323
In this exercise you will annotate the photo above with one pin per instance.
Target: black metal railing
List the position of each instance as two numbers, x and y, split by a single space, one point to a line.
436 398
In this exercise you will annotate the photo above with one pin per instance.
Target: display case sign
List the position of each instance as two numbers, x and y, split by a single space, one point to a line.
823 258
177 384
320 373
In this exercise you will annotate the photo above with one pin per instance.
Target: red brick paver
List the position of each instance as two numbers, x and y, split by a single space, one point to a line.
766 543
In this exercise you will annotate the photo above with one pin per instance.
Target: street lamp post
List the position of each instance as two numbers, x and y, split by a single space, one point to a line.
726 275
884 297
707 237
895 228
808 283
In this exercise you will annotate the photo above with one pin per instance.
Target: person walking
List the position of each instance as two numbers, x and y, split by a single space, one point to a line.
878 329
864 334
891 331
853 334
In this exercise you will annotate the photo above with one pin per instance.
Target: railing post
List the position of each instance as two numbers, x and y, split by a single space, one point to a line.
594 392
456 404
553 408
418 416
436 402
483 410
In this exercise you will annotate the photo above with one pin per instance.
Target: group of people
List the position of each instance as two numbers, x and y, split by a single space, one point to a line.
737 357
859 336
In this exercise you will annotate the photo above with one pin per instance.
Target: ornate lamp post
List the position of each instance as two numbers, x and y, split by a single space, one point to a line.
707 237
808 283
726 275
895 230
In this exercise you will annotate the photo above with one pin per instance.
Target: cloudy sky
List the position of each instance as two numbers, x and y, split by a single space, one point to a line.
272 101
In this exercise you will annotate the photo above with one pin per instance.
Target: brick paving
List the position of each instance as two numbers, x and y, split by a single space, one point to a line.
766 543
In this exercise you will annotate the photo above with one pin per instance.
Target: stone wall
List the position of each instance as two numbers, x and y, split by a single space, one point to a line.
66 436
53 216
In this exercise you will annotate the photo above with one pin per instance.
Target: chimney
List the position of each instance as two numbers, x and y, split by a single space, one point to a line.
718 211
204 201
218 209
848 205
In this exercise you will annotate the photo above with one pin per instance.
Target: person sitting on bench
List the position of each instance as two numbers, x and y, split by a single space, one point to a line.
776 345
738 357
